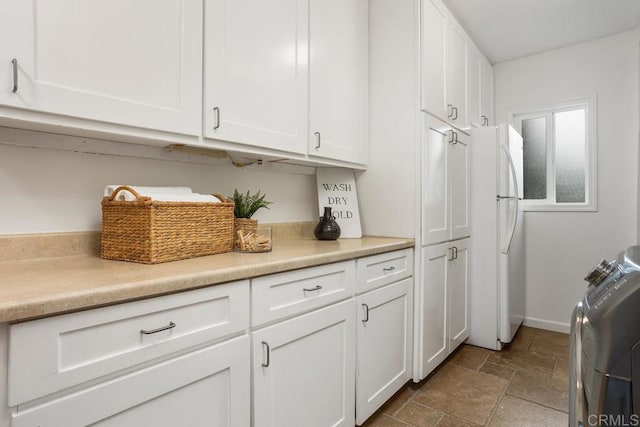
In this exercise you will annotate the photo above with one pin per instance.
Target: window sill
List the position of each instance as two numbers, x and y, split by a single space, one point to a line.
559 207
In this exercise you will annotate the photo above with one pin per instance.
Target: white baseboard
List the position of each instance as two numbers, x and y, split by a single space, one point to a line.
547 324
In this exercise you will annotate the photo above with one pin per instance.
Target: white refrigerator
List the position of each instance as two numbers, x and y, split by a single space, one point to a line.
497 297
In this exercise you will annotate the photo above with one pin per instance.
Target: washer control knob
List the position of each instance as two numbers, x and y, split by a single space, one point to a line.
601 272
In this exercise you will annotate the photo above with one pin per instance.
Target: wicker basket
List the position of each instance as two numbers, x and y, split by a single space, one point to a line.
152 232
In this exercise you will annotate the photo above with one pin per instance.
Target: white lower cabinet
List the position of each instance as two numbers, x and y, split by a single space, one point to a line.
206 387
326 346
304 370
443 316
179 359
384 336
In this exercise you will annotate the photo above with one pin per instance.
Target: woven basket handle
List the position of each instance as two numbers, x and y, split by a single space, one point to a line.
125 188
220 197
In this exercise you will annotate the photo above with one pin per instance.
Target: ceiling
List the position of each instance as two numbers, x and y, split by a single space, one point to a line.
508 29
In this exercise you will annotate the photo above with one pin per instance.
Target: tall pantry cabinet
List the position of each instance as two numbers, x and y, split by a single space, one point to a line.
419 152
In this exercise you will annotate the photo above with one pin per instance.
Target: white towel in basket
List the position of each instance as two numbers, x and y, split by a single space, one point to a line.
165 194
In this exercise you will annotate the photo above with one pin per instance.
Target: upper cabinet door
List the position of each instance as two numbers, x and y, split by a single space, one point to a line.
434 58
474 86
130 63
457 56
486 92
444 65
256 73
338 80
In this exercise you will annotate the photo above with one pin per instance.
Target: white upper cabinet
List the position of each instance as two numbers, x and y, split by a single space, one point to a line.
256 73
453 70
338 80
479 89
474 88
129 63
486 93
457 58
434 58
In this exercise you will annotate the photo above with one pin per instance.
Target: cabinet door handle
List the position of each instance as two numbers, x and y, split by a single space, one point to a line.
450 256
454 137
318 141
316 288
450 110
455 252
171 325
366 313
484 120
455 112
388 269
14 66
216 118
268 362
450 141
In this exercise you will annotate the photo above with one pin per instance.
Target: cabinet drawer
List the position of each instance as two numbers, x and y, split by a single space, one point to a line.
293 292
51 354
379 270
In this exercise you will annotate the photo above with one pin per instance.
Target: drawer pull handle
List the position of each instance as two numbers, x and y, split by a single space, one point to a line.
171 325
366 313
388 269
317 288
266 364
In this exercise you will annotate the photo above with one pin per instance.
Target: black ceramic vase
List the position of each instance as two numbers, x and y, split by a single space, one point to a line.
327 228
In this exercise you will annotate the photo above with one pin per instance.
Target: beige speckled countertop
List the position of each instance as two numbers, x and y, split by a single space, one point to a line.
47 286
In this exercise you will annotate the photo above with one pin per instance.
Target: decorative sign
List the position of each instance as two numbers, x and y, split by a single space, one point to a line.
337 189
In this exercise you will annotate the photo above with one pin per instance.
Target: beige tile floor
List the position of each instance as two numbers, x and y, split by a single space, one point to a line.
525 384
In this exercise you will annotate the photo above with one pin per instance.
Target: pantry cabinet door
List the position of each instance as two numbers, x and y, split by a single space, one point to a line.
130 63
256 73
458 295
436 189
304 370
338 76
432 347
459 172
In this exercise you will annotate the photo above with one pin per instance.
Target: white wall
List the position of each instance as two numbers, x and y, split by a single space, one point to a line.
562 246
43 191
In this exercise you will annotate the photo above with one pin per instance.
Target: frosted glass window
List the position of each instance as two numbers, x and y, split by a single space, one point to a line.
534 138
559 156
570 163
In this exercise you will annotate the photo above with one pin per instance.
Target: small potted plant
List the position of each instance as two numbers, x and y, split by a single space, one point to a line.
245 206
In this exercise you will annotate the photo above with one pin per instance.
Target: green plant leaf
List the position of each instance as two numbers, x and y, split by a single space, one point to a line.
248 204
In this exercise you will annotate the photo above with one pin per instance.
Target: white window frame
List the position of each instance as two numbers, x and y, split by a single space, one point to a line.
591 182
